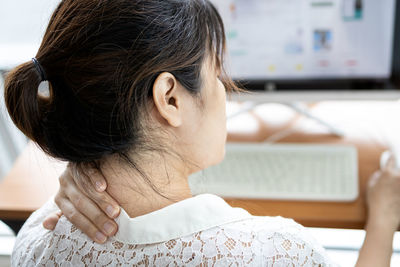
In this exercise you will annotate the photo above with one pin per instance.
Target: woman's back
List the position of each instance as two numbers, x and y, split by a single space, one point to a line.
206 231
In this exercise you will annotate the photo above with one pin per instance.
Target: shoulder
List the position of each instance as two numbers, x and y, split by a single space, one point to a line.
265 228
270 240
33 228
36 245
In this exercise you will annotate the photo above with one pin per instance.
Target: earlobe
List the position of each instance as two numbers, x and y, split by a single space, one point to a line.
166 97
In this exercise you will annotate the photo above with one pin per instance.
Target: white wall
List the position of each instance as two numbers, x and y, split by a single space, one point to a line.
22 24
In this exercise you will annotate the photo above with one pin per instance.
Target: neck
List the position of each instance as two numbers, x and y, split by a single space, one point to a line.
165 183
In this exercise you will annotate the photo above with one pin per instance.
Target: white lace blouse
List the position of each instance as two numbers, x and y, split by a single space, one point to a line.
200 231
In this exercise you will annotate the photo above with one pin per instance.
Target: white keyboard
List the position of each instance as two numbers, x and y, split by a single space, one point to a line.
284 171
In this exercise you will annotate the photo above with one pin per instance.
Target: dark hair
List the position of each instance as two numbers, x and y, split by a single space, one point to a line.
101 58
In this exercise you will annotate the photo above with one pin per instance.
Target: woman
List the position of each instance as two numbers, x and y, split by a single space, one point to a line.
136 96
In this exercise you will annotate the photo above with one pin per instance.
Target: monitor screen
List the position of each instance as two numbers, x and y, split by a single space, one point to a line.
308 39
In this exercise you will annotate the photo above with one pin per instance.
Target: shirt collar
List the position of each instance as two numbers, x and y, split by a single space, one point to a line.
177 220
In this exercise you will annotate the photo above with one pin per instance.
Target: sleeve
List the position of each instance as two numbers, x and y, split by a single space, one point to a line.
32 234
36 219
291 250
288 243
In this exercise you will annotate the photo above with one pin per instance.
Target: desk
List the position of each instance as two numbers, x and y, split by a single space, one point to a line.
29 184
370 126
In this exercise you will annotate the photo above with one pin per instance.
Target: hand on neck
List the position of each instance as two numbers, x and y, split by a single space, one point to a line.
161 181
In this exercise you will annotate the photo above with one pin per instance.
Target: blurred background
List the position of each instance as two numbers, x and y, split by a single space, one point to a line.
22 24
273 46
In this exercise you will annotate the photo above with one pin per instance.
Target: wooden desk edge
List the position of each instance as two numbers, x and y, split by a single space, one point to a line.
18 215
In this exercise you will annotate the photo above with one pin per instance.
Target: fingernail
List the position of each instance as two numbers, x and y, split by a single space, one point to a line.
100 186
111 211
49 225
100 237
108 228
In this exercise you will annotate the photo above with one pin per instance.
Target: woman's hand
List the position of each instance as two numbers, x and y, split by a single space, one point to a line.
84 201
383 199
383 195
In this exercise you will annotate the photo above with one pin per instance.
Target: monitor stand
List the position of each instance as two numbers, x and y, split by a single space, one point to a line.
296 106
289 96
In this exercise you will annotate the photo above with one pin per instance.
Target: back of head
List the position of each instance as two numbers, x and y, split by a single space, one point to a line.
101 58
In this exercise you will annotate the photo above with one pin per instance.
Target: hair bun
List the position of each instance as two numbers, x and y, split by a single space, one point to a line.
23 103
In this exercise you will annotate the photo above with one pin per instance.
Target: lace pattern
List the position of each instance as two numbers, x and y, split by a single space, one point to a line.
259 241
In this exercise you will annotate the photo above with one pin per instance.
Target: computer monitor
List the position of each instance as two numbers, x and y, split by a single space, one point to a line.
311 44
283 44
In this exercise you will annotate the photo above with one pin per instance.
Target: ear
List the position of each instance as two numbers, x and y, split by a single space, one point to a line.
167 98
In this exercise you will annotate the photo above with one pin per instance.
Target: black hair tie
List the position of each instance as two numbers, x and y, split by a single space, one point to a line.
39 69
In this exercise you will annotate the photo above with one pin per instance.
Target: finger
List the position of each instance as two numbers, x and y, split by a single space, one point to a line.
51 220
374 178
92 211
66 178
391 163
106 203
81 222
97 179
101 199
385 159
